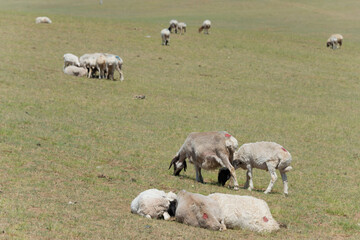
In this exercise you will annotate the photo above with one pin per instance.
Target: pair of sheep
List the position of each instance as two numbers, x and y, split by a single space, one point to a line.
213 150
334 41
174 24
216 211
88 64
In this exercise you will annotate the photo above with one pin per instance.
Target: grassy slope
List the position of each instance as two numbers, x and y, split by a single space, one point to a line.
263 74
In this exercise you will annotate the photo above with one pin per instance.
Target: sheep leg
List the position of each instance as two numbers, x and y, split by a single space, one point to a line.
120 72
225 160
199 177
98 68
285 182
272 172
249 178
90 72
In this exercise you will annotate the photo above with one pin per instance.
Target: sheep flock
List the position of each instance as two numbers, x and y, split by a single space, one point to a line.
205 150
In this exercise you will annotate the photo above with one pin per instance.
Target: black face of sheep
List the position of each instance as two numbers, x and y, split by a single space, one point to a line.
178 169
223 176
172 208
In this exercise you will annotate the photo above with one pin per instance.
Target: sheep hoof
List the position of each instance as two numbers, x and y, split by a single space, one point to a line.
266 192
236 188
286 194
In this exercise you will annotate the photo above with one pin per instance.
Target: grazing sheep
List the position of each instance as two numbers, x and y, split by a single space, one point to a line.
334 40
205 26
173 25
75 71
89 61
154 203
165 36
207 150
199 211
262 155
245 212
71 59
181 27
43 20
101 65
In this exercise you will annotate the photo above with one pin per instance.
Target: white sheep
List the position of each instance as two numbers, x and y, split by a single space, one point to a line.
205 26
71 59
43 20
334 40
165 36
199 211
113 63
262 155
173 25
154 203
89 61
101 65
75 71
181 27
245 212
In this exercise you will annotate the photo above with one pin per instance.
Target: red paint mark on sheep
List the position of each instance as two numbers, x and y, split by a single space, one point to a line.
205 216
265 219
284 149
227 135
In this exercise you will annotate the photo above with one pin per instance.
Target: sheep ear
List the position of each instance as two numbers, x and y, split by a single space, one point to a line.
185 166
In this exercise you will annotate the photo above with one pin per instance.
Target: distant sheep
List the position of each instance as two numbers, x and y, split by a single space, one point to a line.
165 36
75 71
181 27
173 25
89 61
154 203
71 60
114 63
205 26
334 40
245 212
101 65
43 20
207 150
262 155
199 211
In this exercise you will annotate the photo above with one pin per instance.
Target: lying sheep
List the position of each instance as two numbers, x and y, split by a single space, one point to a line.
165 36
173 25
207 150
181 27
334 40
154 203
205 26
75 71
262 155
199 211
71 59
42 20
245 212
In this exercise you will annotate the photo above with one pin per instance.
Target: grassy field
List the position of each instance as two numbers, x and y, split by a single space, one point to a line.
74 152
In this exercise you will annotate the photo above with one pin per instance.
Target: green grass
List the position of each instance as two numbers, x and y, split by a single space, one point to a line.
263 73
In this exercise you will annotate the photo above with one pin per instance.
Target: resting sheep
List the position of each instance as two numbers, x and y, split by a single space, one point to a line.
173 25
245 212
165 36
43 20
181 27
207 150
262 155
199 211
205 26
154 203
71 59
334 40
75 71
